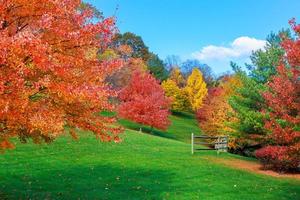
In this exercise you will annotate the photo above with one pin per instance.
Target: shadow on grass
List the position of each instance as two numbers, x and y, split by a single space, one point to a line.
3 196
183 115
88 182
158 133
145 129
175 131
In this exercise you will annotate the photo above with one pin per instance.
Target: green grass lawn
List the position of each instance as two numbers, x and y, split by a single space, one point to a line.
183 124
143 166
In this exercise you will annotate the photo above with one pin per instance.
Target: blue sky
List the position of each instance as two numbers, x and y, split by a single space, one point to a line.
213 31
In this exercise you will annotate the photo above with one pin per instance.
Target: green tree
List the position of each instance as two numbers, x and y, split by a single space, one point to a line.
264 61
139 49
248 102
247 105
157 68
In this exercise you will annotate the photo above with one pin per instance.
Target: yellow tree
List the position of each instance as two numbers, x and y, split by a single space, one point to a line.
177 77
196 89
179 97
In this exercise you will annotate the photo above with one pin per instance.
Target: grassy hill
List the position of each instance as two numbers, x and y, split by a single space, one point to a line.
183 124
143 166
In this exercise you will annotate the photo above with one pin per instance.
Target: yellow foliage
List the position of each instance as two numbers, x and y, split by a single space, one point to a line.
91 53
137 64
215 123
108 54
177 77
179 97
170 88
230 84
196 89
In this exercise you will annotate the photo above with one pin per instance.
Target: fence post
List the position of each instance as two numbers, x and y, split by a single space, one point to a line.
192 142
227 140
217 145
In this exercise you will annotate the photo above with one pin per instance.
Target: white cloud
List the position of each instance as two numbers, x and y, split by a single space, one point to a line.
240 48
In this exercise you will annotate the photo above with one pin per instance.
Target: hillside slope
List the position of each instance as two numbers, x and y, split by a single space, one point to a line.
143 166
183 124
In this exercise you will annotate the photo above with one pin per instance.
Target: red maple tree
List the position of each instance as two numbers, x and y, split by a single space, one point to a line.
144 101
283 100
50 76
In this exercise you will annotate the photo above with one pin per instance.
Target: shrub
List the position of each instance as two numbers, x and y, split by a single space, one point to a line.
280 158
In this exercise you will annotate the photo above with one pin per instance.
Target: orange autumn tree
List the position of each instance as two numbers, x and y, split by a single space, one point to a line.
143 101
50 76
216 111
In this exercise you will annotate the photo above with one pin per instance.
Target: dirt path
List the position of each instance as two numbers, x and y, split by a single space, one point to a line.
250 166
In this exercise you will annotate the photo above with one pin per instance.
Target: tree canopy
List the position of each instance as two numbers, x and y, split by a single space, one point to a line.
143 101
50 75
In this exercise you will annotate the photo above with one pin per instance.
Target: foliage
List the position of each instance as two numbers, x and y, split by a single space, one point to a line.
281 158
210 116
188 66
177 77
132 46
196 88
157 68
136 43
283 100
216 111
50 75
264 61
179 96
143 101
121 77
108 54
248 102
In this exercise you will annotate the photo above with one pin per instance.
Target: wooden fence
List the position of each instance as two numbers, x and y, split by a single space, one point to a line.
219 143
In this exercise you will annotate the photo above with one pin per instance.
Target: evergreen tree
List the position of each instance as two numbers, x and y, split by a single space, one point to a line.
248 102
157 68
